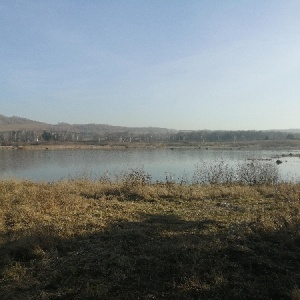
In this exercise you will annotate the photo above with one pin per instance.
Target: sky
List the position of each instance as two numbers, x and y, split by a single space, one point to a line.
187 65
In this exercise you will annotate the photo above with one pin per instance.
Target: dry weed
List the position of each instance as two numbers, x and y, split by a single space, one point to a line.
138 240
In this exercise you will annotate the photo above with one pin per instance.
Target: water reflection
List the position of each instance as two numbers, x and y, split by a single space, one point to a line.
51 165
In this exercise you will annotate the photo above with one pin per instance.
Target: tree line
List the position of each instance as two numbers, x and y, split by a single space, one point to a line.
199 136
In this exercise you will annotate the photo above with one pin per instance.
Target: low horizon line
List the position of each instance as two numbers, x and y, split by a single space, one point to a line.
168 128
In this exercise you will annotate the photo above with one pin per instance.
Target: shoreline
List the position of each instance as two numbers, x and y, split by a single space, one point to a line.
253 145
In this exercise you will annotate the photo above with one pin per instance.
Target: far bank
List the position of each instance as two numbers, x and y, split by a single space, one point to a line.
247 145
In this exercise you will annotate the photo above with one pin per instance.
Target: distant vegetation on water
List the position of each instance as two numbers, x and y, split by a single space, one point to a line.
24 131
135 239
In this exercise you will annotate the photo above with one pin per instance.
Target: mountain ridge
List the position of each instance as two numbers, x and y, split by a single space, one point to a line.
19 123
15 123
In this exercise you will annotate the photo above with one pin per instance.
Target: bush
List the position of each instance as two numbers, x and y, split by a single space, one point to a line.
213 174
257 173
134 177
246 173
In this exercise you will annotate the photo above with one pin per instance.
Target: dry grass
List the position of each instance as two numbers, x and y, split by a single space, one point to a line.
136 240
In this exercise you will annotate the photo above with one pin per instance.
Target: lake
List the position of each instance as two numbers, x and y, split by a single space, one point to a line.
53 165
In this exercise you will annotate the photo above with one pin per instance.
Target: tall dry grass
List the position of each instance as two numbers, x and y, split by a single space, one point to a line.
135 239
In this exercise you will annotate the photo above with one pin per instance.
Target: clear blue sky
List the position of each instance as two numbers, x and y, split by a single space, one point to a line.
205 64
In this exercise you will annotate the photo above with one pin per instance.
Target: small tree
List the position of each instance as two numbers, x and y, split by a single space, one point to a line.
290 137
47 136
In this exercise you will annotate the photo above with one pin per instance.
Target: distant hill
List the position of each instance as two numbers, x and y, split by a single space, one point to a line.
16 129
19 123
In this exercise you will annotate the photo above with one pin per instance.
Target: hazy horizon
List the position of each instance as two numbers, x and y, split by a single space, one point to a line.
187 65
176 129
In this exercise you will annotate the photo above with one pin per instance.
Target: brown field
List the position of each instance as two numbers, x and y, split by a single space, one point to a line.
135 240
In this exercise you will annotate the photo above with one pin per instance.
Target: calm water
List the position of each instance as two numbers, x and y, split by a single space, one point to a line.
52 165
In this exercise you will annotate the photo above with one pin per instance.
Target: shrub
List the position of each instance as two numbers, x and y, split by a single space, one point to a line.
134 177
246 173
213 174
257 173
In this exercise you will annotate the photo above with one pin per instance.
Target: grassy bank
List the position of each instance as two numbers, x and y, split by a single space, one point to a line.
135 240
